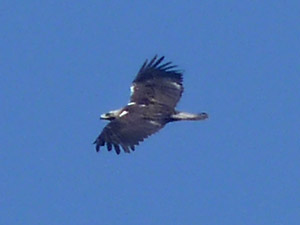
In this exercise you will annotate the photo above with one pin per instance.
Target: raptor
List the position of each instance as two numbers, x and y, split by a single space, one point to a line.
155 92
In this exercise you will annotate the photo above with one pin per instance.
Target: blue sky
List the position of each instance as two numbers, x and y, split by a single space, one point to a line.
63 63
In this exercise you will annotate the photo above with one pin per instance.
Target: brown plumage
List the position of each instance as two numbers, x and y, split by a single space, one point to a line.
155 93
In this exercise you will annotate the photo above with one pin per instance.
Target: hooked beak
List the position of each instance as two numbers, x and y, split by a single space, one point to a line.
104 116
111 115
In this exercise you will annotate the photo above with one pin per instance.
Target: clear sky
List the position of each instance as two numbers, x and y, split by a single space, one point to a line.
63 63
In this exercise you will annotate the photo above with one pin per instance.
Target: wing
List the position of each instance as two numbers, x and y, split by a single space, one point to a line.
126 132
157 83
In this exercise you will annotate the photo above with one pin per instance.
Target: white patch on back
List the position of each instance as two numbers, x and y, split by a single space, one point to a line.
132 89
123 113
131 103
142 105
178 86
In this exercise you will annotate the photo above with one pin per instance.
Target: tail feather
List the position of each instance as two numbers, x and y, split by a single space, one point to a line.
189 116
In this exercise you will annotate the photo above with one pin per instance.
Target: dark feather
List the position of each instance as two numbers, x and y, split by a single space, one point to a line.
109 146
117 148
156 83
152 61
130 130
126 149
161 67
158 61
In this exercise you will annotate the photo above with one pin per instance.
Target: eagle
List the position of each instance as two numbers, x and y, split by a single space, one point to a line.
155 92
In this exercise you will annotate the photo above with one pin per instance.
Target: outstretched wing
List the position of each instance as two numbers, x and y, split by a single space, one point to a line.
126 132
157 82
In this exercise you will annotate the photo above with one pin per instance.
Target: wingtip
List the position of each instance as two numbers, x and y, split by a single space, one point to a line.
132 147
98 142
152 61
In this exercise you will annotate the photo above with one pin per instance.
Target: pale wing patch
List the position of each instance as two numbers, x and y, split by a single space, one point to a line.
131 103
176 85
123 113
132 89
155 123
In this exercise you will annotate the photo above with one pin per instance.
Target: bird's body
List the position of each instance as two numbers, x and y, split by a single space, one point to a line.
154 94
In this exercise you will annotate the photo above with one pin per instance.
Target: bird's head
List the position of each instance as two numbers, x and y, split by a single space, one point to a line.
111 115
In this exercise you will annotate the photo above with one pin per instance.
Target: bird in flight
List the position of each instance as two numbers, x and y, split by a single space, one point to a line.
155 92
